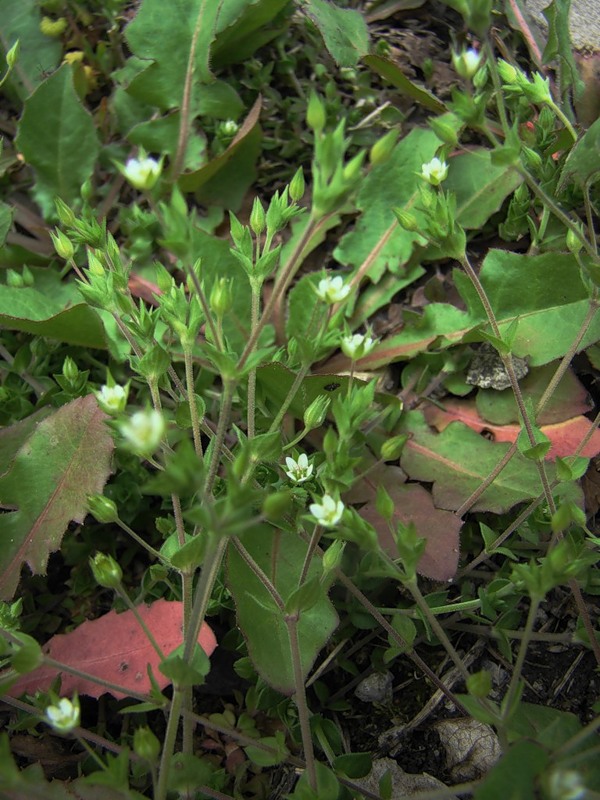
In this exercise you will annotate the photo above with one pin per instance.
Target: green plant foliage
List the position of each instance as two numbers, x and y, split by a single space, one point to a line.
58 139
52 308
37 53
66 457
344 30
270 646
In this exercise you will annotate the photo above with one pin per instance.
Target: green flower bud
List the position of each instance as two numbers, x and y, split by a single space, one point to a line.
315 414
14 279
63 245
408 221
508 73
257 217
446 128
391 449
221 297
574 243
65 215
383 148
27 275
106 571
277 504
146 745
70 370
95 266
102 509
315 113
332 557
297 186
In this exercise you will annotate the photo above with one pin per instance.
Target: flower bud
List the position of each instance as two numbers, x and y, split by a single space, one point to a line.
277 504
107 572
446 128
315 414
315 113
146 745
297 185
391 449
221 297
408 221
257 217
14 279
574 243
63 245
507 72
332 557
65 215
95 266
102 509
383 148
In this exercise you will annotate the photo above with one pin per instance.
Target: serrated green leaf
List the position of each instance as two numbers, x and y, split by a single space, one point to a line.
58 139
66 458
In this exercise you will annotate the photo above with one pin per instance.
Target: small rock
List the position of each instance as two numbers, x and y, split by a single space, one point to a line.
487 370
403 783
375 688
472 748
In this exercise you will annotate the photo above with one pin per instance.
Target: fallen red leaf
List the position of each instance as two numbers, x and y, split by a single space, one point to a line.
439 528
116 649
565 436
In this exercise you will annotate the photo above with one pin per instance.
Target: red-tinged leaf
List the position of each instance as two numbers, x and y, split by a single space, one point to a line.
66 458
439 528
565 436
114 648
457 460
140 287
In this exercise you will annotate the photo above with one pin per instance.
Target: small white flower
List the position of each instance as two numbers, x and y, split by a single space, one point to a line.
434 171
332 290
357 346
142 173
300 470
112 399
143 431
466 63
328 512
65 716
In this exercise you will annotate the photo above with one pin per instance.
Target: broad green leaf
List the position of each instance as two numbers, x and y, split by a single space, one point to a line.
458 459
344 30
13 437
377 235
545 293
66 458
57 138
392 72
171 43
245 25
52 308
481 187
583 162
37 53
275 380
261 622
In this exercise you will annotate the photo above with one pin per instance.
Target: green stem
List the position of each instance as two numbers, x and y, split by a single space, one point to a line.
191 396
518 668
563 118
291 622
124 527
224 417
254 314
191 272
169 745
300 375
149 635
281 284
